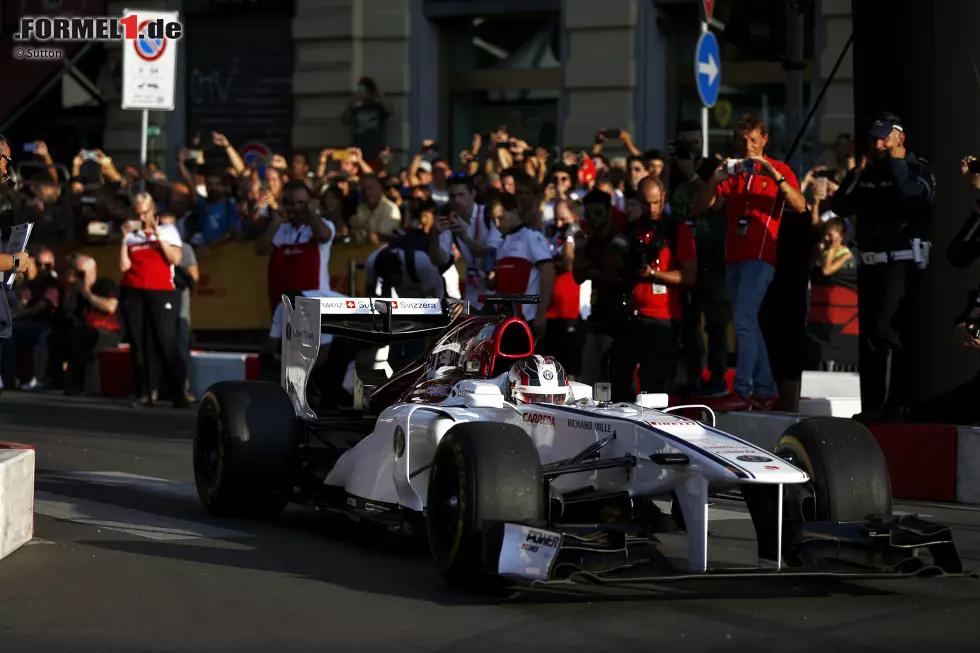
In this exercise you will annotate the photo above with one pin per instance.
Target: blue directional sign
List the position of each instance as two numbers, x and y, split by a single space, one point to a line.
707 69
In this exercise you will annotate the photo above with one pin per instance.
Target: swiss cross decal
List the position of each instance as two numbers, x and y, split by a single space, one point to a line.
394 304
351 305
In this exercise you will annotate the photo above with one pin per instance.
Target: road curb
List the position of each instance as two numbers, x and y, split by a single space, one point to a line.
16 496
927 462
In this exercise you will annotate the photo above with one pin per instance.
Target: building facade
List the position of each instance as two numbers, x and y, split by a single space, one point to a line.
280 72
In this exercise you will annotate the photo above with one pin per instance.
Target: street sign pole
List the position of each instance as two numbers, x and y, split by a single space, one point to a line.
143 139
704 112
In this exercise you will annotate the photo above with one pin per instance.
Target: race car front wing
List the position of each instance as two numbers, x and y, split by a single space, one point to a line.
583 557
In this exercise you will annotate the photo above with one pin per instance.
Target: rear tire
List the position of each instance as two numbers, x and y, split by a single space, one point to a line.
849 478
244 448
482 472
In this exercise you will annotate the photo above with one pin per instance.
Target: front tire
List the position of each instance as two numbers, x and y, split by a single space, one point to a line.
482 473
849 478
244 447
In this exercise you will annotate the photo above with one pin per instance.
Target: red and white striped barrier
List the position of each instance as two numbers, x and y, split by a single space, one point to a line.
115 371
16 496
926 462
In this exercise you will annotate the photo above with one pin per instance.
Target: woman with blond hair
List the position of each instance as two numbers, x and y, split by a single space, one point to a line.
147 256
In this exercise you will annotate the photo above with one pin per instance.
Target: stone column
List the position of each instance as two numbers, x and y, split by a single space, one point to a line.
337 42
837 113
600 76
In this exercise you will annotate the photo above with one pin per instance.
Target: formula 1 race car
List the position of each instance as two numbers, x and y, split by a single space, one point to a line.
517 476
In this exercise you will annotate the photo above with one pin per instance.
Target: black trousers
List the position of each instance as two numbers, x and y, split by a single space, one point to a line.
564 341
885 318
708 298
76 346
151 316
655 344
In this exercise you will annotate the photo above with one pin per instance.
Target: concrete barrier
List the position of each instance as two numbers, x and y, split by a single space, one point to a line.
115 371
927 462
16 496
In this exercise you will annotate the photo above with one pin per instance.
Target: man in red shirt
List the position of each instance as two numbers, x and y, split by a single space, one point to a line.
668 265
755 190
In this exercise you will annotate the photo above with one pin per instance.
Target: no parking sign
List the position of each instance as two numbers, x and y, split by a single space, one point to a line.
149 62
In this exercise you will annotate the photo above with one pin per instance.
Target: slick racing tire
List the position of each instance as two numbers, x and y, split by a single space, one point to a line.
244 447
849 478
482 473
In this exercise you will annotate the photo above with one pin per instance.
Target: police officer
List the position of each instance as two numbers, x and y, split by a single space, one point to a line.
891 198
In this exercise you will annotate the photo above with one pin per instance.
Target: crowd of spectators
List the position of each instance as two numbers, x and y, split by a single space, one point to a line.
636 257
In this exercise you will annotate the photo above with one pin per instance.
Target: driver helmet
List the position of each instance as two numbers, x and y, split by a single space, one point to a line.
537 380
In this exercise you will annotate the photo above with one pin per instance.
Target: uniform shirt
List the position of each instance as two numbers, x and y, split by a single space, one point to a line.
659 301
483 231
299 262
756 197
519 257
150 270
429 279
892 201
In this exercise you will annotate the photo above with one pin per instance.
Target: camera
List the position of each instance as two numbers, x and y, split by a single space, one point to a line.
682 150
737 167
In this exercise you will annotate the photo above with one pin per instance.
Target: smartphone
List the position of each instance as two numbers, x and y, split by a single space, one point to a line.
824 174
194 154
30 147
339 155
611 133
90 155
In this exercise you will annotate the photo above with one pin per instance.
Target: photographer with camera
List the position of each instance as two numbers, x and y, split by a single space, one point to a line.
709 296
755 189
665 259
891 198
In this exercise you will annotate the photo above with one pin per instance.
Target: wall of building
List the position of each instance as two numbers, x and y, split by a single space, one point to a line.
837 115
337 42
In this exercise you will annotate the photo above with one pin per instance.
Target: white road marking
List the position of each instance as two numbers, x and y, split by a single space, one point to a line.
153 485
126 520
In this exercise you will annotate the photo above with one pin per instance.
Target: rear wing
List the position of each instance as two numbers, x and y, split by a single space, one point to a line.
372 320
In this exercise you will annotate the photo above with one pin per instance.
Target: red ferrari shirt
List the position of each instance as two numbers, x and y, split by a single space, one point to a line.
149 269
657 300
566 300
755 197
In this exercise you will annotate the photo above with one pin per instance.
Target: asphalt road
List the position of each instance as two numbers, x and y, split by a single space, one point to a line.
125 559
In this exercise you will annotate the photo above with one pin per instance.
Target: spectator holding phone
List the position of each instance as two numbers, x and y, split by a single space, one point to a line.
755 190
150 303
471 230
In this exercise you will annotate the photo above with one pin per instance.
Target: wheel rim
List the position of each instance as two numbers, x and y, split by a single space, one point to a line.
209 448
445 511
799 499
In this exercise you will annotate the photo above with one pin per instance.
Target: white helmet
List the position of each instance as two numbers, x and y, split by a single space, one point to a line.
537 380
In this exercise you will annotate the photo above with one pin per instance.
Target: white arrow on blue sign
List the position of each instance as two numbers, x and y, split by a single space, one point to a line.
707 69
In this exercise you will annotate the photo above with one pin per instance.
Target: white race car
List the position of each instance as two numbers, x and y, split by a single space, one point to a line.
513 474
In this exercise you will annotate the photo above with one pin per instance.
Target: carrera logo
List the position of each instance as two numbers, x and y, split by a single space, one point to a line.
538 418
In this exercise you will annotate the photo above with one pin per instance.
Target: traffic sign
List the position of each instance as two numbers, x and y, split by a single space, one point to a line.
707 69
146 48
149 65
709 8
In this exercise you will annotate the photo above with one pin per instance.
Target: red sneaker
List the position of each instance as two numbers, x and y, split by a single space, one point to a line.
764 403
729 403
